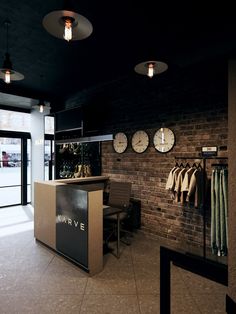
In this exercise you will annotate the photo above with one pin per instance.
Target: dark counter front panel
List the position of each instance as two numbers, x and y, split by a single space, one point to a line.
72 223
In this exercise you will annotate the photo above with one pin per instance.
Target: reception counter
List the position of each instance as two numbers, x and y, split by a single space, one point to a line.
68 217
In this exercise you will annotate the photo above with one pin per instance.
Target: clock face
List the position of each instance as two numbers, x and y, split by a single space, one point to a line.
140 141
120 142
164 140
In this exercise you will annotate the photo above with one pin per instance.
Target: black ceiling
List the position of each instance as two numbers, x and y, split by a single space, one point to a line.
124 34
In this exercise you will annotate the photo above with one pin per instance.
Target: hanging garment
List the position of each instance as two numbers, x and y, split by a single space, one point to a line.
185 184
169 182
195 190
219 211
225 199
178 184
223 211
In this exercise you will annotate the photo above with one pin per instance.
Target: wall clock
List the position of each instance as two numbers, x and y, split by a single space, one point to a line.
164 140
120 142
140 141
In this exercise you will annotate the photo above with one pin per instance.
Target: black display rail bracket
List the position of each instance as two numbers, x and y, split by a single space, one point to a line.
195 264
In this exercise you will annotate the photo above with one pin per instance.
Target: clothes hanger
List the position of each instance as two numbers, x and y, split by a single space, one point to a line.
187 165
199 166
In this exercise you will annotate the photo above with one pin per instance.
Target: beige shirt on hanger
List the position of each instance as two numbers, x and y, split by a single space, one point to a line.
179 183
185 184
169 182
172 180
196 188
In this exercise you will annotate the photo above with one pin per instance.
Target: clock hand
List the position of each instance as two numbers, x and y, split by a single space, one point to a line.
162 139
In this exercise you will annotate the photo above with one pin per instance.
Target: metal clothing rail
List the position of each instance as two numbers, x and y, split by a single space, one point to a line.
204 160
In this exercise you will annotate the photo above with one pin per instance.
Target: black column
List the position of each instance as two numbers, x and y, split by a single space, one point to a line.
24 171
165 294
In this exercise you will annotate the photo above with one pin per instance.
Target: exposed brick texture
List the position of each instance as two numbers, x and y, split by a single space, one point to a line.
193 103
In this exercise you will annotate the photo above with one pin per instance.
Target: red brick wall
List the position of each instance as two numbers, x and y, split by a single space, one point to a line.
148 173
193 103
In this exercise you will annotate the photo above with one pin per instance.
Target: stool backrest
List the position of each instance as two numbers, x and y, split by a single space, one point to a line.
119 195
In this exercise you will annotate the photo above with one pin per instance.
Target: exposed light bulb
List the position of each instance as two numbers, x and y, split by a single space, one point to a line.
41 108
68 30
7 78
150 70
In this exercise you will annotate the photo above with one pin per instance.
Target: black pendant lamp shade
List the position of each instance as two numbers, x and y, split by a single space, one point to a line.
151 68
55 23
6 72
7 69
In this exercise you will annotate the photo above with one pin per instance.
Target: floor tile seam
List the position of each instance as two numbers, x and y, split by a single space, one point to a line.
156 276
114 294
120 278
150 294
58 294
108 294
83 295
44 269
40 291
39 294
111 294
140 301
135 278
123 294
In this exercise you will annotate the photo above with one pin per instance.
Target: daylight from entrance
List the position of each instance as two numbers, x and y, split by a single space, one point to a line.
11 156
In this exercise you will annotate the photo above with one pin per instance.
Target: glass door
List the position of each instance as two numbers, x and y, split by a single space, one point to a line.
15 168
29 186
49 148
10 171
48 159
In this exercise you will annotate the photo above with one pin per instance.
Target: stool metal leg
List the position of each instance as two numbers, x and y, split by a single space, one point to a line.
118 235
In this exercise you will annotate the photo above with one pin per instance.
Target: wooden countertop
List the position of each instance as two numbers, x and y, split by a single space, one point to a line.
74 180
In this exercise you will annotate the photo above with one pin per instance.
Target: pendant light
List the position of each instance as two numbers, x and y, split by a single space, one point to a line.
6 72
67 24
41 106
151 68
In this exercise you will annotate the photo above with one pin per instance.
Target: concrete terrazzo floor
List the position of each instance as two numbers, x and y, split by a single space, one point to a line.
35 280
